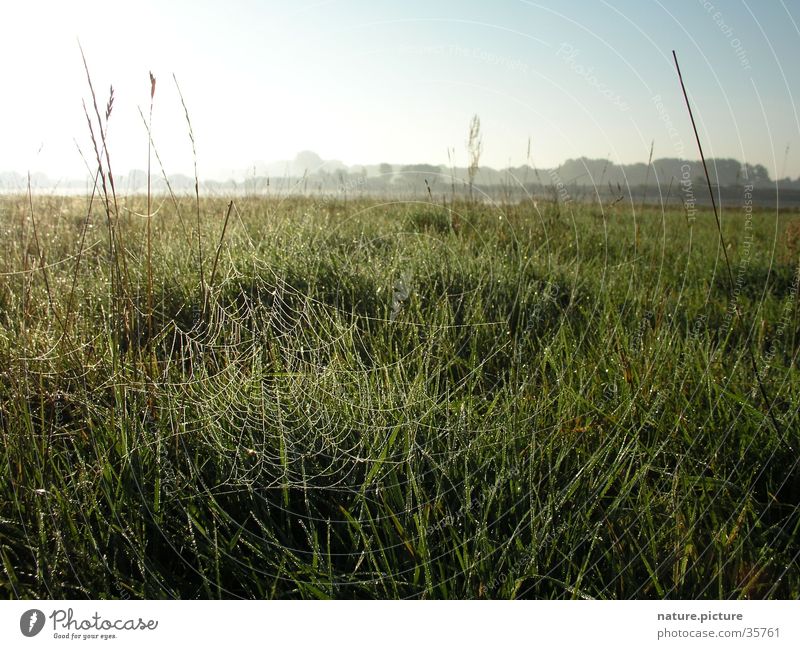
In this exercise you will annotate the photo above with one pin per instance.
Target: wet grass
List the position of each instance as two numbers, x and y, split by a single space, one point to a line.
395 399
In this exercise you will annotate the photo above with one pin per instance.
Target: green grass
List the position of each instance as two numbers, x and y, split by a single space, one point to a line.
385 399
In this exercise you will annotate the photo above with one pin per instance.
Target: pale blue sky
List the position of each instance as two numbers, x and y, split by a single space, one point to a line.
374 81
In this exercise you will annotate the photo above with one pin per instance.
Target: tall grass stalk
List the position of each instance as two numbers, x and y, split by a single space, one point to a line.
150 330
196 185
732 286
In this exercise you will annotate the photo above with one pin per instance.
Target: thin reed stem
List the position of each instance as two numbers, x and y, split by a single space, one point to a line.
196 184
150 217
219 245
748 342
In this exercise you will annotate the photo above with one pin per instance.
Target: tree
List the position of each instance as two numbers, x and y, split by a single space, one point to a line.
756 174
422 168
725 171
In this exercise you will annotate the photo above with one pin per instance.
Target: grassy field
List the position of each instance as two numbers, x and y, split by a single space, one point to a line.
396 399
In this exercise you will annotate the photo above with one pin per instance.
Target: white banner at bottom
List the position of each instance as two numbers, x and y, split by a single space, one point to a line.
387 624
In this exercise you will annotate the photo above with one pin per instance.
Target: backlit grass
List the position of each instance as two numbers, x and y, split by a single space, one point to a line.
395 399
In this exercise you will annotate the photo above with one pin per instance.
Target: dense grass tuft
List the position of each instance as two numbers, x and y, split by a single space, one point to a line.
396 400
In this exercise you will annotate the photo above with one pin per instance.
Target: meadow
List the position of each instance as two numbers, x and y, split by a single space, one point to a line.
306 397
